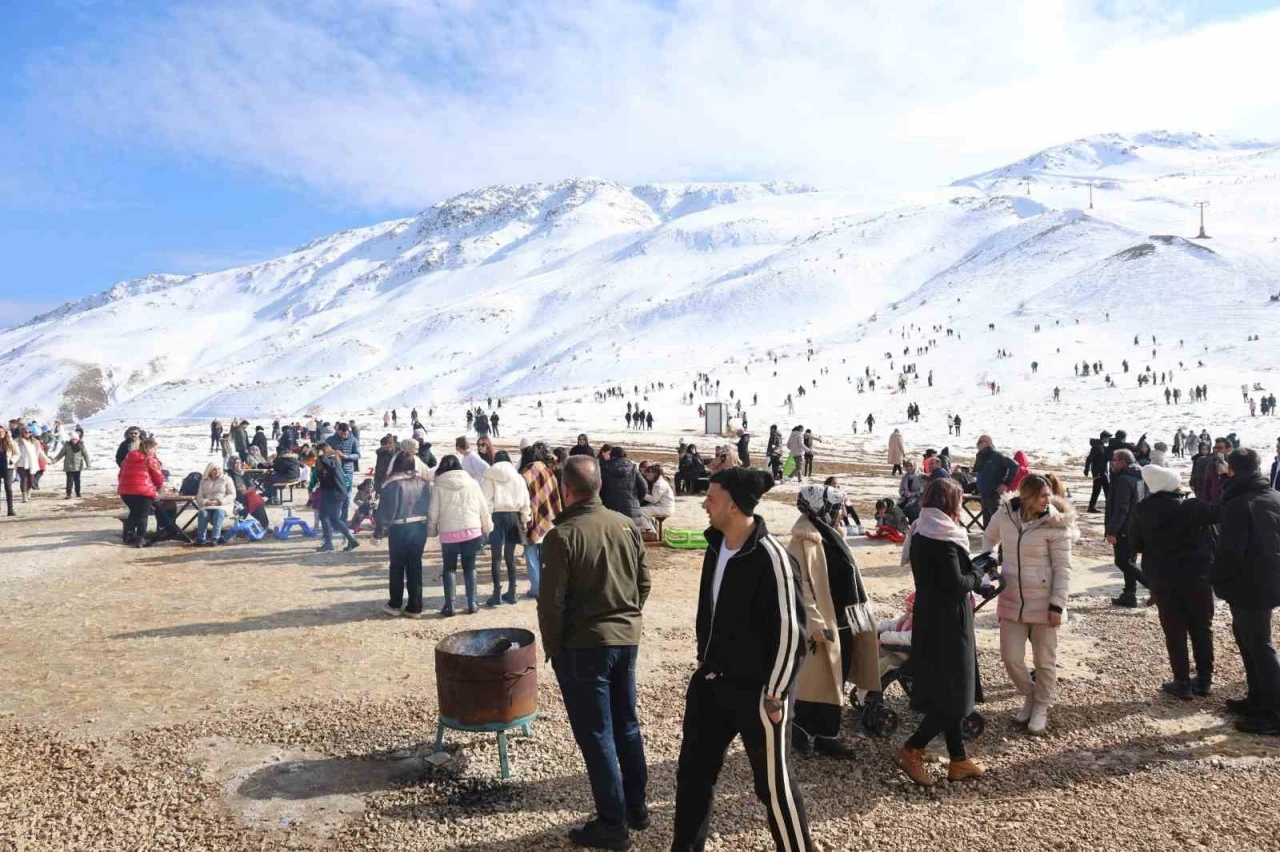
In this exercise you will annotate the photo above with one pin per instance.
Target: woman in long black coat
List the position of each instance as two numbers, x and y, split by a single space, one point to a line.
943 658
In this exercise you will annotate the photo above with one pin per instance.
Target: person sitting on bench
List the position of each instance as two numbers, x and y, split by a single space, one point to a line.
285 470
660 502
692 468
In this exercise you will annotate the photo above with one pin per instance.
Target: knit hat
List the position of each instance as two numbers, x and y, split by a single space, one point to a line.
1159 478
745 485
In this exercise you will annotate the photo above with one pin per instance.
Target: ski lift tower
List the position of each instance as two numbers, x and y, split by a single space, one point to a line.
1202 235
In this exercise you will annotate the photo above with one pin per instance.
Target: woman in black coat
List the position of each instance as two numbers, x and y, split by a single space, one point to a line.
1176 538
943 658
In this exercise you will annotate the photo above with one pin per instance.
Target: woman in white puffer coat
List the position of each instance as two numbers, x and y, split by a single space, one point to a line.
508 495
1035 531
460 516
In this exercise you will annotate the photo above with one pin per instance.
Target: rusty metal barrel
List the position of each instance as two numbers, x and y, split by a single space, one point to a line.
487 679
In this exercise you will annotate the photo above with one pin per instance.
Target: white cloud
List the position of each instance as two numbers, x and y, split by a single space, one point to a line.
399 102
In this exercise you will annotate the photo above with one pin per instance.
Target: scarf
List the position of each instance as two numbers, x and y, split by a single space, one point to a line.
937 525
844 579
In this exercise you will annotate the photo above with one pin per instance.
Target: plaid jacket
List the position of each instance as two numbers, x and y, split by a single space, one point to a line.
544 500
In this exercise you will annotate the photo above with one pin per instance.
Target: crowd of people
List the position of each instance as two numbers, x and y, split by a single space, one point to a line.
783 632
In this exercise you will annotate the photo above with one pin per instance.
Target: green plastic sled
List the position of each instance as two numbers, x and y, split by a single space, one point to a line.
684 539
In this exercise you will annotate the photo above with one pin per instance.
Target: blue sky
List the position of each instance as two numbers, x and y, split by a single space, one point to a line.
140 137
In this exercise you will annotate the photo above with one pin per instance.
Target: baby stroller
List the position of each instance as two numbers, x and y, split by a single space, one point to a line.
895 667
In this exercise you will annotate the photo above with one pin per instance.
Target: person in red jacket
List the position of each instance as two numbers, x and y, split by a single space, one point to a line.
1023 469
140 480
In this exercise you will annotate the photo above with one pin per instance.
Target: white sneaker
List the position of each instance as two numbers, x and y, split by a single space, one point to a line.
390 610
1039 720
1021 716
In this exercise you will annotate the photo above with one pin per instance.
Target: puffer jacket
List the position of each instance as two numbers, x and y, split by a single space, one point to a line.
506 491
140 475
622 488
221 489
1037 560
459 504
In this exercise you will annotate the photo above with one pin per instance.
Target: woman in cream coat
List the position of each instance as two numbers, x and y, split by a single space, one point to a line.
1035 531
839 650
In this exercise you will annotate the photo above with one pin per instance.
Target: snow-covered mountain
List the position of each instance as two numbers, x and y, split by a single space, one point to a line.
537 289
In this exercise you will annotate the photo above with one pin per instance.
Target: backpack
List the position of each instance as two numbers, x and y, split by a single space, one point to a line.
191 484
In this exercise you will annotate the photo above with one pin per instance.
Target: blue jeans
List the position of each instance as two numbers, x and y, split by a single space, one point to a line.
533 559
451 552
599 690
217 515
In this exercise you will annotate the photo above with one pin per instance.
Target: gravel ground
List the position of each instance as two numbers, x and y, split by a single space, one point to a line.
251 699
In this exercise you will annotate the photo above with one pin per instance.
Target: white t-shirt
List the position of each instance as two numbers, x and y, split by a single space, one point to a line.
725 555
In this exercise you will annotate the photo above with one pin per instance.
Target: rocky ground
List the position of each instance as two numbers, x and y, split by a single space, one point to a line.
254 697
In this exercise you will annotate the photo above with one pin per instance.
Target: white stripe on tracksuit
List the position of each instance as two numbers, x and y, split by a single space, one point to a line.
780 800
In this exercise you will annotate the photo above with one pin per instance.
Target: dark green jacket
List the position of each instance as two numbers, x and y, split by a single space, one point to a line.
594 580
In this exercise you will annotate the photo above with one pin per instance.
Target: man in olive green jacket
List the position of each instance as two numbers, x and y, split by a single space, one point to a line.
594 585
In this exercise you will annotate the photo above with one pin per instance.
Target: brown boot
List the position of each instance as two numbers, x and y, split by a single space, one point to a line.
961 770
911 761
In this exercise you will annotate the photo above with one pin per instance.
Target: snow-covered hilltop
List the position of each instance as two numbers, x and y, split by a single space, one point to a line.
533 289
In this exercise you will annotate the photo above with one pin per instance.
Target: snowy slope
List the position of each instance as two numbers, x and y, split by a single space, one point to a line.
548 291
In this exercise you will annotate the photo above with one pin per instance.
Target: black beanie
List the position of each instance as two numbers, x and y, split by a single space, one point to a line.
746 485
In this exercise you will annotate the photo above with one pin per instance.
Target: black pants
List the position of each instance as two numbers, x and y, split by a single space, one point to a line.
1186 610
808 464
1252 629
715 712
502 547
135 527
990 505
405 543
897 470
935 723
1124 559
7 476
1099 487
73 482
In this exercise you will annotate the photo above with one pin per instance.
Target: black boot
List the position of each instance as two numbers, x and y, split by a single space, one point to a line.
1202 684
801 741
832 747
1126 599
1178 688
596 836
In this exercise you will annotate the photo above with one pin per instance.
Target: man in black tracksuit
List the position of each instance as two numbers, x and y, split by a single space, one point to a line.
1096 464
751 641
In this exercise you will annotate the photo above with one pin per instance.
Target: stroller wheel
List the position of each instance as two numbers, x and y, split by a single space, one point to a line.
879 720
972 726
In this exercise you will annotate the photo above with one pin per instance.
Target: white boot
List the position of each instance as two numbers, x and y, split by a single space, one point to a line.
1039 719
1021 716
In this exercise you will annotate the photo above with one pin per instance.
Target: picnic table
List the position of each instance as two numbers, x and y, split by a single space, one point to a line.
181 503
972 507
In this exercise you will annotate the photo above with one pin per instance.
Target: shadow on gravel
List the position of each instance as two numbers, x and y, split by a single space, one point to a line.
310 779
342 613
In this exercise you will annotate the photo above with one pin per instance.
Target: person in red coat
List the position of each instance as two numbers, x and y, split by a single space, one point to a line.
140 480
